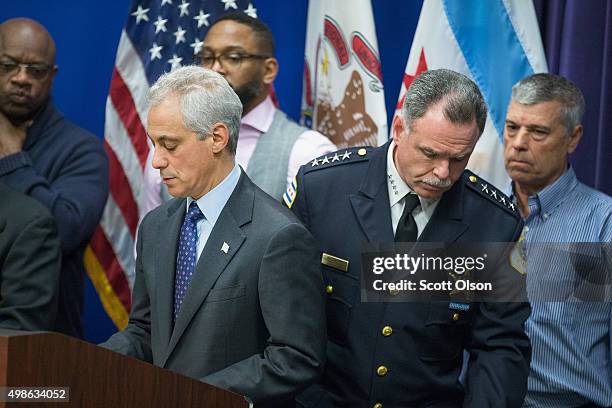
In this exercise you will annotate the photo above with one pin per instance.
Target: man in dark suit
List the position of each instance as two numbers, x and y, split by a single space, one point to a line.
415 188
227 286
30 258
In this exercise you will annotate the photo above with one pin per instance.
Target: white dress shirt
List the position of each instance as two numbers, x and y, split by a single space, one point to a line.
211 204
398 189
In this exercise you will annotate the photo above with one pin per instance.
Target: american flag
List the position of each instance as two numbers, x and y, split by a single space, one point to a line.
159 35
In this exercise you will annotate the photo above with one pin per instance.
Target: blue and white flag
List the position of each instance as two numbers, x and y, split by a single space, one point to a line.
494 42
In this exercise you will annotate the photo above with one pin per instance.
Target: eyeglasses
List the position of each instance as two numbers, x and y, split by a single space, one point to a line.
36 71
231 60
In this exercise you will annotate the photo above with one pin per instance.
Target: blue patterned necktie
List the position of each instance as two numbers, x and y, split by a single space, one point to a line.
186 261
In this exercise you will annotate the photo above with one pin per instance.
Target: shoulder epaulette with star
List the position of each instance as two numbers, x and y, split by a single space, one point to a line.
350 155
489 191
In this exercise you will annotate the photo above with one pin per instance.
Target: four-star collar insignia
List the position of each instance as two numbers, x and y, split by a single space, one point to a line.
393 184
491 192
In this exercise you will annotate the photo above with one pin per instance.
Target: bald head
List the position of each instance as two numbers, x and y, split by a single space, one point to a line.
27 68
29 35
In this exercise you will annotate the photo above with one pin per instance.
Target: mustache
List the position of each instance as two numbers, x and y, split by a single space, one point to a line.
19 91
437 182
517 158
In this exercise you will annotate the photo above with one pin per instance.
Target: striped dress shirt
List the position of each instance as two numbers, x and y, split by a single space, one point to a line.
571 317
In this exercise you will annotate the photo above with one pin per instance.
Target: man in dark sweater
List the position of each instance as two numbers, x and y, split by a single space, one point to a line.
47 157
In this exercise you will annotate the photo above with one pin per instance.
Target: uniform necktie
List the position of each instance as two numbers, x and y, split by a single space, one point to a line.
185 264
406 228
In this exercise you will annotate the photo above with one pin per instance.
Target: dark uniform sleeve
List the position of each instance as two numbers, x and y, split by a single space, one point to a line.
500 351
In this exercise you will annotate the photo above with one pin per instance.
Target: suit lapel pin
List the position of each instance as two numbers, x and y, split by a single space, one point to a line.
224 247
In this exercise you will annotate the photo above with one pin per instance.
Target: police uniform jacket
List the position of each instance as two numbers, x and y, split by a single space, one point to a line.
388 354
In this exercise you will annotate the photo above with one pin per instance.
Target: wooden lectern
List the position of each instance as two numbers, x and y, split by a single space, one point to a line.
97 377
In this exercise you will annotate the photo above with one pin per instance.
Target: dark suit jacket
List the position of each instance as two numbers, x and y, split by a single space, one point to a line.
253 318
30 259
344 203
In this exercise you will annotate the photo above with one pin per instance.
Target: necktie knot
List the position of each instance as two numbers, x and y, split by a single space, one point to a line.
193 213
412 202
407 230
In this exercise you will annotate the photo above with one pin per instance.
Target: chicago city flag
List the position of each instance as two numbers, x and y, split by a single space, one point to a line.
343 96
496 43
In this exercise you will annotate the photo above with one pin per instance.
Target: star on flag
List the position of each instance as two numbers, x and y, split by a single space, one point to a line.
141 14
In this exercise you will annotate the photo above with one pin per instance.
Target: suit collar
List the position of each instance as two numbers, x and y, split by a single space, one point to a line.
371 203
453 200
398 188
242 200
447 224
224 242
375 179
212 203
372 206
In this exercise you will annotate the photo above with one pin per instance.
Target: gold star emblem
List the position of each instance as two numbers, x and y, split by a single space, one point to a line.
325 63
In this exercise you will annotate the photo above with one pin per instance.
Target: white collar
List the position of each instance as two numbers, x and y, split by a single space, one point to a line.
398 188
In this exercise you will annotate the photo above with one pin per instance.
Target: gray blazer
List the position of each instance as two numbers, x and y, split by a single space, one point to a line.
253 319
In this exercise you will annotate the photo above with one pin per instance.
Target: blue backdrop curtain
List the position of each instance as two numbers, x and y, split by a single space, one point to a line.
577 37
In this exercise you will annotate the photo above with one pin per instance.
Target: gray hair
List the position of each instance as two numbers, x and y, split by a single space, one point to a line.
205 98
543 87
463 101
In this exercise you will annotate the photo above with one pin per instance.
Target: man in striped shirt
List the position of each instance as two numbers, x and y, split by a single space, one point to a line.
566 247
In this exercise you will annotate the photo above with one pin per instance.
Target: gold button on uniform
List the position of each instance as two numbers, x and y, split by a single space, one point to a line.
329 289
362 152
456 317
377 405
382 371
473 179
387 330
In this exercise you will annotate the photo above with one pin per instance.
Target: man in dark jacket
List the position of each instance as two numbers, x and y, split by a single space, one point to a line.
29 263
47 157
415 189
